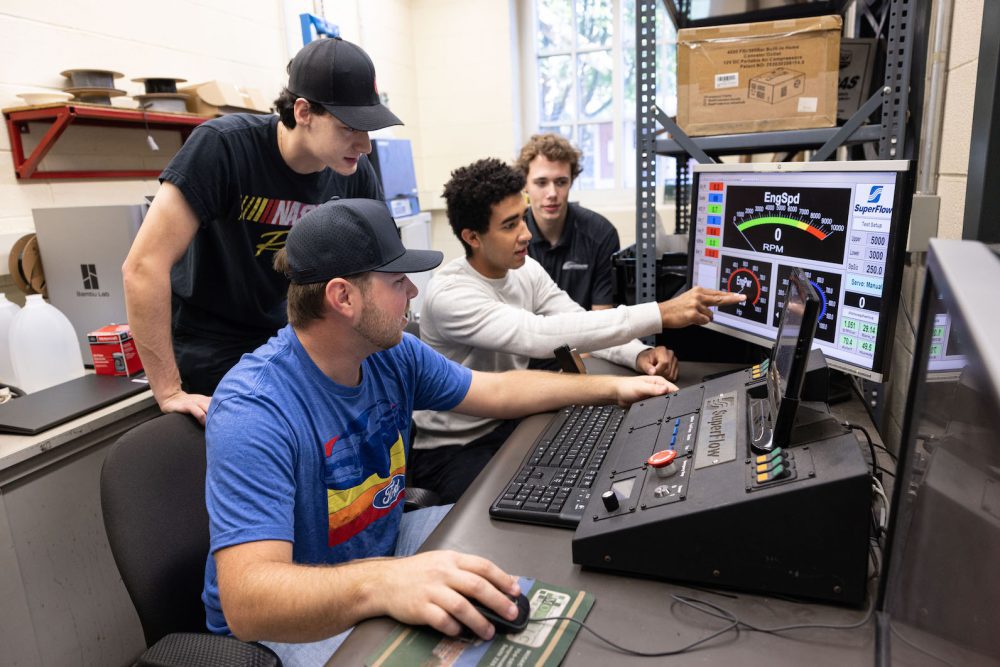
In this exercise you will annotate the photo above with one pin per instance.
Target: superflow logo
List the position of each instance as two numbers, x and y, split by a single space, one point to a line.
875 194
89 273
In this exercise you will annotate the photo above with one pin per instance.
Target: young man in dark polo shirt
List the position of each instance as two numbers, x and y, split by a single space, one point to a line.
574 244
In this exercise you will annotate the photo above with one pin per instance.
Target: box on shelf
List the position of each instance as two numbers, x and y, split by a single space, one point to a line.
756 77
215 98
857 61
114 351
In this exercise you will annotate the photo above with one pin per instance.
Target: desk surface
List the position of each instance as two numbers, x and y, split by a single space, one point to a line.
16 449
636 612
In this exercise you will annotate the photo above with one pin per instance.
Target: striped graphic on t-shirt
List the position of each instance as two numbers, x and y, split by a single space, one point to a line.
352 510
281 212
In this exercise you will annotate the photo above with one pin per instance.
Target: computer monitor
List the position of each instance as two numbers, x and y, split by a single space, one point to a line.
940 595
844 223
393 162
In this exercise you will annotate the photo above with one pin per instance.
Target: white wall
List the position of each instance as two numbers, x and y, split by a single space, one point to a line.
963 63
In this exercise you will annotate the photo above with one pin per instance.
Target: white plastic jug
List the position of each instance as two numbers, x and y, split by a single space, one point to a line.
8 309
43 346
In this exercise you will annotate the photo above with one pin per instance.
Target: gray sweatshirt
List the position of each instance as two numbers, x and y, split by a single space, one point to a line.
500 324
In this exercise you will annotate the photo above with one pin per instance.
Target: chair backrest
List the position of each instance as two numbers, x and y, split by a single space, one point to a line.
153 501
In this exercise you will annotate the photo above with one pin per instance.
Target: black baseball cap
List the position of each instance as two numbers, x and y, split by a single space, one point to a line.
348 236
341 77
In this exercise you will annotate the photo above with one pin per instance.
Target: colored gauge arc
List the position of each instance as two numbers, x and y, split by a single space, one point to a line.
747 283
822 297
778 220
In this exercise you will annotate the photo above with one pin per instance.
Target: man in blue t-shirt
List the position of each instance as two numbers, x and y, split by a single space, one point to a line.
199 285
308 441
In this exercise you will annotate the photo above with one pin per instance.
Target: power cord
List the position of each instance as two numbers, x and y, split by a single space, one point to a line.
871 445
733 621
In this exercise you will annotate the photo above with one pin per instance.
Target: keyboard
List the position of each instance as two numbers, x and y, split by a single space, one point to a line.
554 483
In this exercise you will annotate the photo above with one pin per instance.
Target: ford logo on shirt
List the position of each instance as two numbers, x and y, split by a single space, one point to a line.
388 496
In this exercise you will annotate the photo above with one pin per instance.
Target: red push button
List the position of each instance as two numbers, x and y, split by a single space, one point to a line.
662 458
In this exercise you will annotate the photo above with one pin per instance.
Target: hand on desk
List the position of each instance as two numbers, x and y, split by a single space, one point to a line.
631 389
657 361
694 306
431 588
195 405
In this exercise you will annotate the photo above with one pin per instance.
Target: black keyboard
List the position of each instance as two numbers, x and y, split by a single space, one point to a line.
553 485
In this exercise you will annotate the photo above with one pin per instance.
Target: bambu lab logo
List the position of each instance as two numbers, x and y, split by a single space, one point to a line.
89 273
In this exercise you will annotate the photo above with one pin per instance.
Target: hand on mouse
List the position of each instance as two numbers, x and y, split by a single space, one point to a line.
433 588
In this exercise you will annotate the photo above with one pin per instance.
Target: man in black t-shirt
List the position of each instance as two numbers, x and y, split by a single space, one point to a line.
573 243
199 286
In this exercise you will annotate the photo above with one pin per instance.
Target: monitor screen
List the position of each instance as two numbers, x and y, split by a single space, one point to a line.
844 223
941 587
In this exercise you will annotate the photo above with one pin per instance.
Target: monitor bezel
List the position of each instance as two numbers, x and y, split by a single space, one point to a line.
899 225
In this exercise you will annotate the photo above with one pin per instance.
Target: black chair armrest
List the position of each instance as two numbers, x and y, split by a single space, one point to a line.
419 498
190 649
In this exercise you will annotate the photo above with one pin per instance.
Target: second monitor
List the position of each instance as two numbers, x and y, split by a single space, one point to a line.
844 223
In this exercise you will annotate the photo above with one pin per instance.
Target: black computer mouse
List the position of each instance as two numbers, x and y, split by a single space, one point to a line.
502 625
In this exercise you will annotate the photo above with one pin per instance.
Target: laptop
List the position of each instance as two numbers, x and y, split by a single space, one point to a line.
83 248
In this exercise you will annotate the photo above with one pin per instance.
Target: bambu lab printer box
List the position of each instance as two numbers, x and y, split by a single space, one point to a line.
114 351
756 77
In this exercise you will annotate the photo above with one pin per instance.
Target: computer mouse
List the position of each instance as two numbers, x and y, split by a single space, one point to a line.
502 625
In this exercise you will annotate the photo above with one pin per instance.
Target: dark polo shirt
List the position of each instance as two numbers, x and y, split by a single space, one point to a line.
580 263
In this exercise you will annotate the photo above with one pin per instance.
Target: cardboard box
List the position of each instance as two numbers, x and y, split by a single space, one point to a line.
857 60
215 98
756 77
114 351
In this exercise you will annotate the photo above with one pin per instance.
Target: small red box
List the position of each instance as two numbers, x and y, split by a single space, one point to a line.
114 351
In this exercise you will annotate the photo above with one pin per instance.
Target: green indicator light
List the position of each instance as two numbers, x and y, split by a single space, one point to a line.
715 208
938 332
712 242
935 350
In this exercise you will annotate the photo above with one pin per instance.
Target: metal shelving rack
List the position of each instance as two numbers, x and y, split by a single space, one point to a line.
895 21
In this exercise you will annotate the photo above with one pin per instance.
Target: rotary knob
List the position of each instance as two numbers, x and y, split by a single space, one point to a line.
610 500
663 462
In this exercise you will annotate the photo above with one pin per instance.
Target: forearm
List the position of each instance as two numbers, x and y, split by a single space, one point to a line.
147 303
287 602
512 330
518 393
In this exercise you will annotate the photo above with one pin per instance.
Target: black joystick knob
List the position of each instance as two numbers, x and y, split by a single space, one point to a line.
610 499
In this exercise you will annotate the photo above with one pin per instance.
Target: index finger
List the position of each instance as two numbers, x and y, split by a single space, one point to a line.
490 571
720 298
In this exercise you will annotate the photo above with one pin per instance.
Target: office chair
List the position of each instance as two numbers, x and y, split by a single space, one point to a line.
153 502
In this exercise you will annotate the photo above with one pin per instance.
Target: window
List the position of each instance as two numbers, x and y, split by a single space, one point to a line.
582 79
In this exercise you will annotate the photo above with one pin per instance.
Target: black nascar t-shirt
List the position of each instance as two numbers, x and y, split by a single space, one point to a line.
580 263
246 199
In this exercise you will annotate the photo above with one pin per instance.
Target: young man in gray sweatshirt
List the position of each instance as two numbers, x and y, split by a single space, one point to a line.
496 308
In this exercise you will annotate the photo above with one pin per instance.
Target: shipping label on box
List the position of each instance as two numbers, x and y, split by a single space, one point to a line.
114 351
754 77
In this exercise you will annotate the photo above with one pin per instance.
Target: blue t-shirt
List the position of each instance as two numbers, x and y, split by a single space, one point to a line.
294 456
